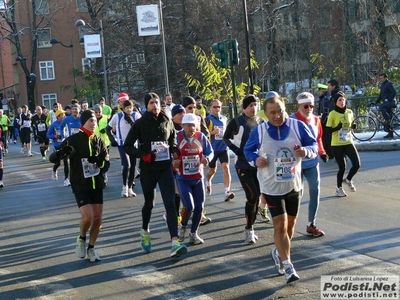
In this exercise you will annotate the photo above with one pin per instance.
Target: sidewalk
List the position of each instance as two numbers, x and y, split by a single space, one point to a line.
378 143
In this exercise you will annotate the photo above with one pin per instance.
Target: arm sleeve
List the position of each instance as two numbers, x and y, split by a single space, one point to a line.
230 131
129 145
252 146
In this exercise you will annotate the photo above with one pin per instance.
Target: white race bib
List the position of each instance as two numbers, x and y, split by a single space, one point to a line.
344 135
191 164
41 127
161 150
285 169
89 170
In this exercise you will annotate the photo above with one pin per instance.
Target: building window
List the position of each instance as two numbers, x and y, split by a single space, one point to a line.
48 100
86 65
42 7
47 70
81 6
43 40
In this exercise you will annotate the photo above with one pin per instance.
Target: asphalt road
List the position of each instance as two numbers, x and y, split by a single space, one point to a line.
39 224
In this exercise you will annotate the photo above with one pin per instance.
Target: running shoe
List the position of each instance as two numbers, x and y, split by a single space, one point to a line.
250 237
66 182
92 255
181 233
43 158
22 151
178 249
195 238
54 175
263 212
340 192
350 184
15 141
208 189
124 192
80 249
291 274
204 220
131 193
229 196
277 261
146 243
29 154
1 184
314 231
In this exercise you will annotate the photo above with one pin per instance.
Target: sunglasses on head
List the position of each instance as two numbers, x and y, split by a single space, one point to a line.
308 106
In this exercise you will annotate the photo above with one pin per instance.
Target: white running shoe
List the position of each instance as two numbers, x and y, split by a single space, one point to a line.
66 182
340 192
229 196
92 255
124 192
22 151
1 184
291 274
131 193
277 261
250 237
30 154
54 175
80 249
195 238
350 184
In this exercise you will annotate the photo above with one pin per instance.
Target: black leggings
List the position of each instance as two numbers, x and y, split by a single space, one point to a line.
249 181
340 153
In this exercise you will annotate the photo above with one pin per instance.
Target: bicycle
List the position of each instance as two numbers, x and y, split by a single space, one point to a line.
368 124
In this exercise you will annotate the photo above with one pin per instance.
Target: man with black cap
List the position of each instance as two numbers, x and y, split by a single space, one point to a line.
157 143
201 109
238 131
89 160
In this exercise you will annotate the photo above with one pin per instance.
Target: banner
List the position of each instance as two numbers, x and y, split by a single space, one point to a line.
92 45
148 20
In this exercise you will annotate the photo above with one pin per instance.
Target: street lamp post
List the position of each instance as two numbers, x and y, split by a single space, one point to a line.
55 41
80 23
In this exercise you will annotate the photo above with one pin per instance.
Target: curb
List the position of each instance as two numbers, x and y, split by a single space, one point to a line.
378 146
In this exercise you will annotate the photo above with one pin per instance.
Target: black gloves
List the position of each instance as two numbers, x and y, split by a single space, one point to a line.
66 150
324 158
103 131
95 160
114 144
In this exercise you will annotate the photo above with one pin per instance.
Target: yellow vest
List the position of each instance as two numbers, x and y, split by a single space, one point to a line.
4 122
102 123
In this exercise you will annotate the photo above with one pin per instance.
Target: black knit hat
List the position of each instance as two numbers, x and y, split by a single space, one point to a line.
338 95
186 101
150 96
86 115
249 99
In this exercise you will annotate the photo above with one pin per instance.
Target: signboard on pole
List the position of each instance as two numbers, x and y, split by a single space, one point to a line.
148 20
92 45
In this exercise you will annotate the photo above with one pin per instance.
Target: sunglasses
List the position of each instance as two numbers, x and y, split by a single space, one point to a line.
190 107
216 106
308 106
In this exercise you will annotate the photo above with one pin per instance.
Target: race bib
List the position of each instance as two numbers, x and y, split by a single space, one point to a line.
344 135
89 170
220 135
41 127
285 169
191 164
26 123
161 150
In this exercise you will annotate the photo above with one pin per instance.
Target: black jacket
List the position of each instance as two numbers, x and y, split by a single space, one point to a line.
388 92
85 148
147 129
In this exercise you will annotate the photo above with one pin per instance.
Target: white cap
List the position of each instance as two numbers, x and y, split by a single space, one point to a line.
190 119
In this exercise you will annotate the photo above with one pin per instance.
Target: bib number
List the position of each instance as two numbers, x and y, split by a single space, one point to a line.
344 135
161 150
89 170
191 164
285 169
